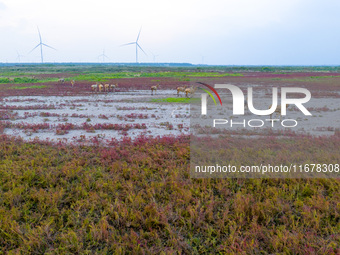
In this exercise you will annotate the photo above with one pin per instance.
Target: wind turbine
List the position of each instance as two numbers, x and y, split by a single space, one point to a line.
103 55
19 56
154 56
41 44
137 45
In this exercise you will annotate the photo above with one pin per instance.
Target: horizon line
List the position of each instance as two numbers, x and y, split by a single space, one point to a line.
170 63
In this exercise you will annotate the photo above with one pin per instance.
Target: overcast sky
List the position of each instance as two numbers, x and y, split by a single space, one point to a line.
229 32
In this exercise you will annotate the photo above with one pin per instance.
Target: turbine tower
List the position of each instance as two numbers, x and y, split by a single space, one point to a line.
41 44
137 45
19 56
154 56
103 55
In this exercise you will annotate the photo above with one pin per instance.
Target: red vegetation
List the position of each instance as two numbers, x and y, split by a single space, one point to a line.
137 197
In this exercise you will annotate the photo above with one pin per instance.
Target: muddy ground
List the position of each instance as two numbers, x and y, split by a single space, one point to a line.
62 112
95 110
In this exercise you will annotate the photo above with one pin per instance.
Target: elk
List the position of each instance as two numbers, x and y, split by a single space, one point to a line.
61 80
154 88
190 91
113 87
181 89
94 87
100 87
106 87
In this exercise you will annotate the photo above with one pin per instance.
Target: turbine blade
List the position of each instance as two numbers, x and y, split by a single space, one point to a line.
34 48
127 44
103 55
141 49
153 54
39 34
48 46
139 34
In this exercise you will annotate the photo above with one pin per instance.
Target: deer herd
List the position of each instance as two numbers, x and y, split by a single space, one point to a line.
99 87
188 91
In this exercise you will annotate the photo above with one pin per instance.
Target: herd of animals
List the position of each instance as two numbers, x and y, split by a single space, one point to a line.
104 87
188 91
99 87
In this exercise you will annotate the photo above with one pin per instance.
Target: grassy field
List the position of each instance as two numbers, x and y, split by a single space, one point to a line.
137 197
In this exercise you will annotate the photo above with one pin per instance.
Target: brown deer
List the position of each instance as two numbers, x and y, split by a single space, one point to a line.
190 91
113 87
106 87
154 88
181 89
94 87
100 87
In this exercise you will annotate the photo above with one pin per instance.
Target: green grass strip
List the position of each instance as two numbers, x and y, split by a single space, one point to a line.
29 87
174 100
